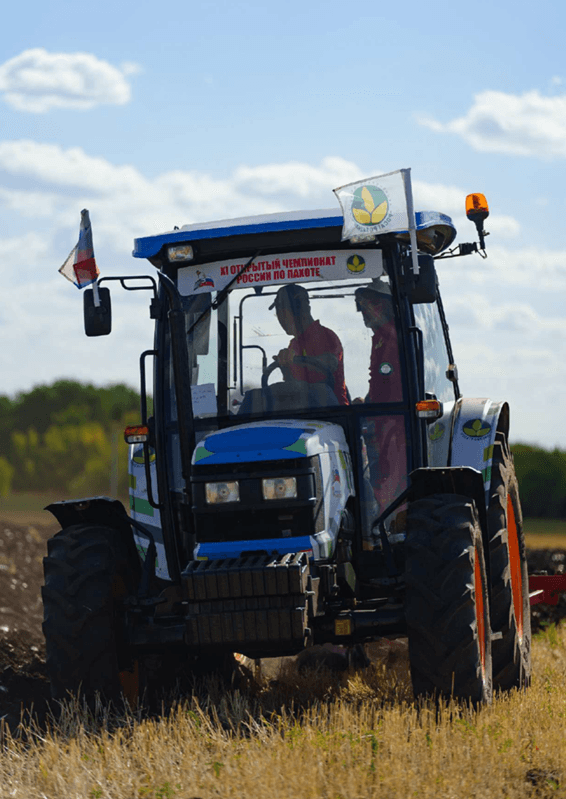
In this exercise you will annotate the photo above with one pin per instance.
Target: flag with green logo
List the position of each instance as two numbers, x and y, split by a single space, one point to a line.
382 204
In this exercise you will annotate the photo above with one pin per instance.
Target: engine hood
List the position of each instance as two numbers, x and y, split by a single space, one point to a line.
269 441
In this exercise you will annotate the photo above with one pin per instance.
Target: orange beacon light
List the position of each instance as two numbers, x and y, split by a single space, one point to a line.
477 210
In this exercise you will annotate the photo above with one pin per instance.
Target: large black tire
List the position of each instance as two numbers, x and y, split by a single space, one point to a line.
510 607
447 604
88 570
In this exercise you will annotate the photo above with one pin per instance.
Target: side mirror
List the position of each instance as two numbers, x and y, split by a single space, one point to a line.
423 286
98 318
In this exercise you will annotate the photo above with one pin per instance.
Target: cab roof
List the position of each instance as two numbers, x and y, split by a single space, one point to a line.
150 246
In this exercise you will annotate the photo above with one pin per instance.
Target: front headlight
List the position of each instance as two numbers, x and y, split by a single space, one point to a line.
279 487
222 492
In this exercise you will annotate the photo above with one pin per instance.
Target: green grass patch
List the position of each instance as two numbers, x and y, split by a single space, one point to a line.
545 526
27 501
33 501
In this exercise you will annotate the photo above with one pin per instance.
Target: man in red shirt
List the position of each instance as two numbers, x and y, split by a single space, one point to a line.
385 437
385 369
310 339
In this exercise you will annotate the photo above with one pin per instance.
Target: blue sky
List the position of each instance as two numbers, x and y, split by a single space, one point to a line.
160 114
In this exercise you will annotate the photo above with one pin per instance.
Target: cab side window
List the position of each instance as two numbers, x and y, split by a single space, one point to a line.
427 318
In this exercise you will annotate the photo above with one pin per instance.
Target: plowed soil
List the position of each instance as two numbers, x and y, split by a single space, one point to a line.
23 684
24 688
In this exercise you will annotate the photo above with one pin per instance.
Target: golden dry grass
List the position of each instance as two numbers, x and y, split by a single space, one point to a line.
545 533
305 737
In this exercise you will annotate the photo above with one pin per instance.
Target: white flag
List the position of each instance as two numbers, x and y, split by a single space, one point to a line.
382 204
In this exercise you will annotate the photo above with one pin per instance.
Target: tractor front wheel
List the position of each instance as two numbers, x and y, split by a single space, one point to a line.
88 571
447 604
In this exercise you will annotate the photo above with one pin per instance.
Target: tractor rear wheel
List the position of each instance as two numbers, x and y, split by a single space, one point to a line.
88 571
510 608
447 604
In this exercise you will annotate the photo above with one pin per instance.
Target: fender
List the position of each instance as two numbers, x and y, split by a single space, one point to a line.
90 510
104 511
463 480
475 425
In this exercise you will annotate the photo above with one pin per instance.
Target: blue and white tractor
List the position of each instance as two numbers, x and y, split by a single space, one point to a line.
310 472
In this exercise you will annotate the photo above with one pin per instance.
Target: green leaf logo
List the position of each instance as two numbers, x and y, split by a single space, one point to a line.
356 263
436 432
138 456
370 205
476 428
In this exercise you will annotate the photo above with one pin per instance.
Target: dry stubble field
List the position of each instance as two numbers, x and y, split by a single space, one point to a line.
338 736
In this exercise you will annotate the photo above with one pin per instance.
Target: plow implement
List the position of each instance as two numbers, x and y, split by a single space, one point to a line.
546 588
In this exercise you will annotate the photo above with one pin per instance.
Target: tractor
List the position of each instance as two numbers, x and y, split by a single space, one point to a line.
310 472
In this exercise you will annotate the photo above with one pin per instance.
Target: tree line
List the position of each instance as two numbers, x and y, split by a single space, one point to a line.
67 438
541 474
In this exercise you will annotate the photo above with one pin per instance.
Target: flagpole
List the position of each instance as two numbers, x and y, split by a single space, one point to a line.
86 228
411 214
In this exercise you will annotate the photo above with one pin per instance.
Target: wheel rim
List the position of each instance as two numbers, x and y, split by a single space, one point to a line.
516 567
480 611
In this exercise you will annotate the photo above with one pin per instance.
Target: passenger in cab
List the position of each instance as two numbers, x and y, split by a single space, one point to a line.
385 434
310 339
376 305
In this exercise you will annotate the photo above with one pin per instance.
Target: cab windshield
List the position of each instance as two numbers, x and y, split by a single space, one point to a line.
318 349
295 346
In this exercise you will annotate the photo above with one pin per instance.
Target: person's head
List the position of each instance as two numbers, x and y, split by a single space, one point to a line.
293 309
375 304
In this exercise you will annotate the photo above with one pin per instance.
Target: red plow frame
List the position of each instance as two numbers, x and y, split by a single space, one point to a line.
546 588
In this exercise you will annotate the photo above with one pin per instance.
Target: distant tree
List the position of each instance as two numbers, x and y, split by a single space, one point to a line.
542 480
6 475
64 437
70 402
6 423
69 459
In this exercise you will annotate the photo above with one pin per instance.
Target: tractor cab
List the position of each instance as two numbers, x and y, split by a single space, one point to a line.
303 383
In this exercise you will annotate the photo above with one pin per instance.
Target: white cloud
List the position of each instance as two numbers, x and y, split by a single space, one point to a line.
532 268
499 225
30 203
23 252
130 68
437 197
529 124
475 310
72 167
503 226
37 81
42 334
124 203
302 180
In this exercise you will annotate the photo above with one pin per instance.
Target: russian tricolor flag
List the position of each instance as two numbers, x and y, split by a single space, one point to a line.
80 267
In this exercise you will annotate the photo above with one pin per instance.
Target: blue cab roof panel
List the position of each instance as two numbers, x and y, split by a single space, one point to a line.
148 246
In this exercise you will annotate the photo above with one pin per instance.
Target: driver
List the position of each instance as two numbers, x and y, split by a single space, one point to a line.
311 339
